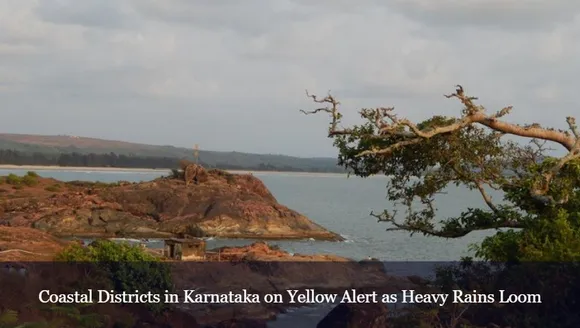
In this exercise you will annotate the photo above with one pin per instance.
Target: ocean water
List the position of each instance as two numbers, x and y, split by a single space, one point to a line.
339 204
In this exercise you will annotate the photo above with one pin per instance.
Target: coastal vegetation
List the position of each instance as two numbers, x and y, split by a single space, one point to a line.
102 265
122 267
537 222
30 179
66 151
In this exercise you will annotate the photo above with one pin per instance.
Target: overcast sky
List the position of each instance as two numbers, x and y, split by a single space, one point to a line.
231 74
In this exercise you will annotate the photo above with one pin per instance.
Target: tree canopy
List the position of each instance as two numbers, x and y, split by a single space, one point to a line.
540 209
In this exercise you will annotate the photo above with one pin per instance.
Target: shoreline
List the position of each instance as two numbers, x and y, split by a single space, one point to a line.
144 170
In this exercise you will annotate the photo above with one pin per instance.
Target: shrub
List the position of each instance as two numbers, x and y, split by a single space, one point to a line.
29 180
61 316
195 231
13 179
176 174
127 267
32 174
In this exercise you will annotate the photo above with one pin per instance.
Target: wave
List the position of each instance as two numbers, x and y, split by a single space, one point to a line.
126 239
347 238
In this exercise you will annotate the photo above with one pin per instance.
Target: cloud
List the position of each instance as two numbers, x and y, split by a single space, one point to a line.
499 14
250 17
231 74
90 13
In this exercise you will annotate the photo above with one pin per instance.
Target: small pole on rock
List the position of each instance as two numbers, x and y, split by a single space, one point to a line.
196 153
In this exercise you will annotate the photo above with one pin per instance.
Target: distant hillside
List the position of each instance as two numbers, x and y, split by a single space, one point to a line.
21 149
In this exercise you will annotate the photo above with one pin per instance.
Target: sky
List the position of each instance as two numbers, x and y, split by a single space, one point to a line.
231 75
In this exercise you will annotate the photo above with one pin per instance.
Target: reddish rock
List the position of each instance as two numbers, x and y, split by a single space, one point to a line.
262 251
223 205
27 244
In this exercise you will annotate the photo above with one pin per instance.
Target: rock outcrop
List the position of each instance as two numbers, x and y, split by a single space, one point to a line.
27 244
262 251
219 205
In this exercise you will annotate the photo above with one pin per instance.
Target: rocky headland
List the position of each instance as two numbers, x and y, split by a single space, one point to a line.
211 203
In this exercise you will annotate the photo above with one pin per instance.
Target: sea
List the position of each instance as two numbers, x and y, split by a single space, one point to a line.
339 203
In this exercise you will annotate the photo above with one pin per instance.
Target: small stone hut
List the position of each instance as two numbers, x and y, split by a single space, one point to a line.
177 249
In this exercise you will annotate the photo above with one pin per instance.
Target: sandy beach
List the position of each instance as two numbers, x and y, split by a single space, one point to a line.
120 169
76 168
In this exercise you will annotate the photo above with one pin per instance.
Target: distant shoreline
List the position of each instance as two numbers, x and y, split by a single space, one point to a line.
124 169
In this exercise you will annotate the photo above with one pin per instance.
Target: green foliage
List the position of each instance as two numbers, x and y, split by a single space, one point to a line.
557 284
30 179
195 230
176 174
479 159
32 174
91 184
13 179
60 316
54 188
72 313
8 318
538 219
163 157
128 267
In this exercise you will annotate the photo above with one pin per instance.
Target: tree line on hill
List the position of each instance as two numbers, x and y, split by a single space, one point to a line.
14 157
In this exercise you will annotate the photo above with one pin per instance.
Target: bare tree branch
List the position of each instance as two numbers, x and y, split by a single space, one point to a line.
389 125
573 127
472 114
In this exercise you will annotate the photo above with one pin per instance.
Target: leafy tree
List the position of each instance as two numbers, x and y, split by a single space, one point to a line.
538 219
541 205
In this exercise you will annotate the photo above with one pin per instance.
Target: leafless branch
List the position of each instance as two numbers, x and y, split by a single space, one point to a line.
472 114
573 127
